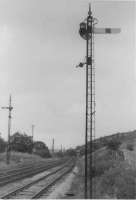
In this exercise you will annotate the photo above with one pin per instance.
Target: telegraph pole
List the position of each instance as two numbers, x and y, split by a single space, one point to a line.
53 146
87 31
9 129
61 149
33 126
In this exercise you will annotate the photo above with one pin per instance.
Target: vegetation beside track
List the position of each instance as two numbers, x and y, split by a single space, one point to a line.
114 171
98 143
114 176
21 142
113 179
76 190
18 158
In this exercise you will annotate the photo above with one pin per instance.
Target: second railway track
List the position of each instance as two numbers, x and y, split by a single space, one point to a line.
27 171
39 188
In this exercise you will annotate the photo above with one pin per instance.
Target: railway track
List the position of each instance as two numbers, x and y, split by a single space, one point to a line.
27 171
40 187
24 166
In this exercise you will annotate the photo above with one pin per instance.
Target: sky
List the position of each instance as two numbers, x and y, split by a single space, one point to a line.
39 50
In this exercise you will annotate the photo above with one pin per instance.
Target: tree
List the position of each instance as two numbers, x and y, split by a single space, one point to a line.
80 150
70 152
21 142
41 149
113 144
2 145
59 154
114 150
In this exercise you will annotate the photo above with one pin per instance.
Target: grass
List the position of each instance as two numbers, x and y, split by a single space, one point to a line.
118 182
114 179
18 158
130 147
111 179
77 187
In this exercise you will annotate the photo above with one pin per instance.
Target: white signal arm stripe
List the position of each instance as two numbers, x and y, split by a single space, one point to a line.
106 30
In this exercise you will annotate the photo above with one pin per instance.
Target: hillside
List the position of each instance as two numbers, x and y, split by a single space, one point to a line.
124 137
113 169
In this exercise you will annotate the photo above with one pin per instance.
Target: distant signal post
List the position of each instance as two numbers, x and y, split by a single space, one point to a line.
9 129
33 126
53 146
87 31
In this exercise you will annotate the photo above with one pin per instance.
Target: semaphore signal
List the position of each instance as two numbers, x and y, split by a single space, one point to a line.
87 31
9 128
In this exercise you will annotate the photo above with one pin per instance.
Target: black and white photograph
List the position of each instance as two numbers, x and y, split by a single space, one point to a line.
67 99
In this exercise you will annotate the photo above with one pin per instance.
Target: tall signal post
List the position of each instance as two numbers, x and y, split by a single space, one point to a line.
9 129
87 31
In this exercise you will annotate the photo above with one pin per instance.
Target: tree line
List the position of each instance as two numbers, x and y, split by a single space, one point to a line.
21 142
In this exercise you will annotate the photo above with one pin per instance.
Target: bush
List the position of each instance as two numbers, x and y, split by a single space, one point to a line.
41 149
113 144
130 147
103 161
70 152
2 145
59 154
100 167
119 183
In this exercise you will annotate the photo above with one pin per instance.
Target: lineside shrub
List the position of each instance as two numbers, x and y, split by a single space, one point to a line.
113 144
103 163
119 183
130 147
100 167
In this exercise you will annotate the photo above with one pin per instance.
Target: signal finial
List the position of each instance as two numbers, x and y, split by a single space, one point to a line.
89 12
10 98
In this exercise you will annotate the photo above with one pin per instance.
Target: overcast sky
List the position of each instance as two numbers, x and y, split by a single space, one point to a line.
39 49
